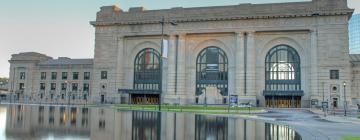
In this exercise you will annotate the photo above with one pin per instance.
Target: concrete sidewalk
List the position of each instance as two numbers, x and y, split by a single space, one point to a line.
311 126
336 118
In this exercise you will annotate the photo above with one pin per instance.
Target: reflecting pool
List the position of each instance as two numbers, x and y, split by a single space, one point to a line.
62 122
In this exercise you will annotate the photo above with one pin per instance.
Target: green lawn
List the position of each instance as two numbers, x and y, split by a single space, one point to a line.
191 108
358 117
351 138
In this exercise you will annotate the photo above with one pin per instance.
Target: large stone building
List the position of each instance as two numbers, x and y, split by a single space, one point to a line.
274 55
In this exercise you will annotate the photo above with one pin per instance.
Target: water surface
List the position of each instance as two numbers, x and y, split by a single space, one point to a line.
63 122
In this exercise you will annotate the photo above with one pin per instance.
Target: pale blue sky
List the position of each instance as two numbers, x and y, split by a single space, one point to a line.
61 27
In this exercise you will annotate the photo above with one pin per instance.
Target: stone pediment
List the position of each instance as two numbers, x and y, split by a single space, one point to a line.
113 15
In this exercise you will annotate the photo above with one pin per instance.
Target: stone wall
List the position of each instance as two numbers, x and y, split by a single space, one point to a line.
320 39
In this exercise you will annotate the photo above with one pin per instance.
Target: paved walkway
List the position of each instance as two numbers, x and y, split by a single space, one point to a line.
337 118
311 126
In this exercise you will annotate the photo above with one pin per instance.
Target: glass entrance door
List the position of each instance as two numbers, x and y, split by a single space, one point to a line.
283 101
335 103
102 98
149 99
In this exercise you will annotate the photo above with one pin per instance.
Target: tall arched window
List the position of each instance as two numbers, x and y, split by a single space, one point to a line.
212 70
282 77
282 69
147 71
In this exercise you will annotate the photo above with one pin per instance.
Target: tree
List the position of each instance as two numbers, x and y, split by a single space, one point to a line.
4 81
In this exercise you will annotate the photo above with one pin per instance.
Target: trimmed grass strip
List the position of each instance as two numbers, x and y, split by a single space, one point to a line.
190 109
351 138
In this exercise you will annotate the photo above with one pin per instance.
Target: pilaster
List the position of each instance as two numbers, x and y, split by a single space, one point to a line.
314 78
120 71
171 76
251 66
239 66
181 67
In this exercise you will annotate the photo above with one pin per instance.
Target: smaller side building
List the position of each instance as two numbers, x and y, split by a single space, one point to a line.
3 90
38 78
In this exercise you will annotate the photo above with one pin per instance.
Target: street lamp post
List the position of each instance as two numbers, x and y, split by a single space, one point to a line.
228 102
23 95
323 86
323 101
345 103
1 84
205 100
162 22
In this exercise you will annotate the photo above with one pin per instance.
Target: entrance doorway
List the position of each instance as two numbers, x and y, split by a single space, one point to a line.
150 99
335 103
283 101
102 99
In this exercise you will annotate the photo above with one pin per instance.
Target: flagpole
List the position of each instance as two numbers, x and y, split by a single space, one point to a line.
162 22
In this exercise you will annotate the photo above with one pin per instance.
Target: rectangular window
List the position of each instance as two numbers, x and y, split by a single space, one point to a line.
74 86
64 75
75 75
334 74
21 86
86 87
53 86
103 74
86 75
63 86
53 76
42 86
22 75
43 75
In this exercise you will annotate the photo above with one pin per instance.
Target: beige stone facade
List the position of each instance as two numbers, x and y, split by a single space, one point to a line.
37 78
246 33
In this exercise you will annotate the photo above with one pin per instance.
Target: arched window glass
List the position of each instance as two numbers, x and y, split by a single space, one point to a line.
212 70
147 72
282 70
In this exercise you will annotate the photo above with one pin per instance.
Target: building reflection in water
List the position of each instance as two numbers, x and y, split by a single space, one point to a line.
40 122
211 128
146 125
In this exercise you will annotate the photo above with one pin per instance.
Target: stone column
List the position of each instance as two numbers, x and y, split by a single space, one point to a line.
181 69
239 64
251 67
120 71
314 81
171 69
120 63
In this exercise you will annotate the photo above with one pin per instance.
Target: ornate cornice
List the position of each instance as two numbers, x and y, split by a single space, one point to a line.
113 15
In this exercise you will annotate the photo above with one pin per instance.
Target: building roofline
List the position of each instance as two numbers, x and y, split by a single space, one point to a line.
113 15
